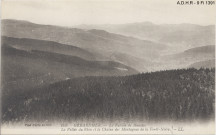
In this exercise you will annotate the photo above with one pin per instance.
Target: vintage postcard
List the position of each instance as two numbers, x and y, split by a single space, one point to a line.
93 67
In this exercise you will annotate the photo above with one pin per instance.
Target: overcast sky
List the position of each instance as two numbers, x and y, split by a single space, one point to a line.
75 12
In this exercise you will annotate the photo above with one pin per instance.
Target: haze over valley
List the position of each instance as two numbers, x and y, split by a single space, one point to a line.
133 70
144 55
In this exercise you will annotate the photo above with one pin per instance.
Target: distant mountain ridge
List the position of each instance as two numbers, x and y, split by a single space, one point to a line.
203 52
78 74
191 57
202 49
203 64
189 35
100 43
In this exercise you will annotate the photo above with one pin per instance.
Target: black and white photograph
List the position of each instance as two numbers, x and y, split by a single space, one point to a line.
107 67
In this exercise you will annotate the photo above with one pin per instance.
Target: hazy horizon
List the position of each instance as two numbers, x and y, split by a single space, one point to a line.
96 12
108 24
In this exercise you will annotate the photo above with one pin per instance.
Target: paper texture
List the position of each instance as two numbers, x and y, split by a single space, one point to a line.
107 67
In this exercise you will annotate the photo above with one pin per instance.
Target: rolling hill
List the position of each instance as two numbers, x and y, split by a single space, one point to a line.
190 56
27 69
188 35
49 46
100 43
78 74
203 49
203 64
193 54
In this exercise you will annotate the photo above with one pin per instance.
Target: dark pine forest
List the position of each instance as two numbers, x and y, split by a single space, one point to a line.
184 94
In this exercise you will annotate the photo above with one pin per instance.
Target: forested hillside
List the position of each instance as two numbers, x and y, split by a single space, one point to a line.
22 69
101 44
48 46
185 94
158 47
